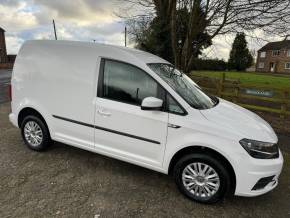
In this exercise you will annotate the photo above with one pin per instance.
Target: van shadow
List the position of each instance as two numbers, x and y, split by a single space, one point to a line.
96 162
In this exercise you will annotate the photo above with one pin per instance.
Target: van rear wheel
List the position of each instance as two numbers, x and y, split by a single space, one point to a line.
35 133
201 178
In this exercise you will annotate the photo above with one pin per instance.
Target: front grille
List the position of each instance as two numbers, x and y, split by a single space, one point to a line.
263 182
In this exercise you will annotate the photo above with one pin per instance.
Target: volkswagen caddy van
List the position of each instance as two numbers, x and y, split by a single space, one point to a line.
136 107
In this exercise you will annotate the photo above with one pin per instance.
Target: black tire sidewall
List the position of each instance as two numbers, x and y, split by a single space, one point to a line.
46 137
211 161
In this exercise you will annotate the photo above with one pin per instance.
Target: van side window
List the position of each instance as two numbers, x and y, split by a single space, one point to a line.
126 83
173 106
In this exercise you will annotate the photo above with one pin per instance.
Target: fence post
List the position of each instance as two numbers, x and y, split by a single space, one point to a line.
221 84
284 109
236 91
236 97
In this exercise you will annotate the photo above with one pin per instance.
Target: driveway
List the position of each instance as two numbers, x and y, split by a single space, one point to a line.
69 182
5 77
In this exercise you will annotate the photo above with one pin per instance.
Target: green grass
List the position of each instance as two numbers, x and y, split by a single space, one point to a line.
250 78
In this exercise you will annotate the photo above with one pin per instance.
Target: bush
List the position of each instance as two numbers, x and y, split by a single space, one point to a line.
209 64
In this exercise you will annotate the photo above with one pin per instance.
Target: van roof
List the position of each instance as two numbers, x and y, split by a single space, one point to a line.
140 55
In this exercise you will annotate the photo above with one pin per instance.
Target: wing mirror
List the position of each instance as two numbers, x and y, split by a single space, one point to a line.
151 103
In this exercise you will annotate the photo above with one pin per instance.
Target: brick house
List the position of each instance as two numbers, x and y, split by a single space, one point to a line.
3 51
6 60
274 57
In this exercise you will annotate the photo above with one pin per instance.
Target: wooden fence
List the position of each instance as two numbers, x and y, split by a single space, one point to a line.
277 103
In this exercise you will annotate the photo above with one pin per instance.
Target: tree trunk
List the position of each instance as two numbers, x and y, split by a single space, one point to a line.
173 31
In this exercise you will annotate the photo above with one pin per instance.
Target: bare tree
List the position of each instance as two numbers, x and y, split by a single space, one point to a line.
217 17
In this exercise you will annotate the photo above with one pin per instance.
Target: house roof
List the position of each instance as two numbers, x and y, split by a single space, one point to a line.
2 30
285 44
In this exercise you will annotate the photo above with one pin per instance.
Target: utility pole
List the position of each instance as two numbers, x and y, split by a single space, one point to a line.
125 36
55 36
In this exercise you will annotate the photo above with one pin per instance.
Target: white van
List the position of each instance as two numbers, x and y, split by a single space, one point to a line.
136 107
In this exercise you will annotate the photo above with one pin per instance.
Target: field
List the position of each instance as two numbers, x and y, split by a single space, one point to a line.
264 80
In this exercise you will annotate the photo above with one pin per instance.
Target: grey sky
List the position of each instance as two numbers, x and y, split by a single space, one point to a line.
84 20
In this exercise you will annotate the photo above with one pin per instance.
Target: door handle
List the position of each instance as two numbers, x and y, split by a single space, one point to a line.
103 113
173 126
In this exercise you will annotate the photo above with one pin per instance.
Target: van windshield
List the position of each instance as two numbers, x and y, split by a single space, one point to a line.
184 86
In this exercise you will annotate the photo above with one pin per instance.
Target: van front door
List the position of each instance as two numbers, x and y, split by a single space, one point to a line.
122 129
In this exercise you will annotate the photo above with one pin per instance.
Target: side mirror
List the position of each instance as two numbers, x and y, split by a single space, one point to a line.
151 103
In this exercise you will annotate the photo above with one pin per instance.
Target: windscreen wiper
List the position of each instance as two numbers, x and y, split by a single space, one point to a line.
173 69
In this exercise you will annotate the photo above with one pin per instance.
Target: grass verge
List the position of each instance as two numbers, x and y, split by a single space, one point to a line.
250 78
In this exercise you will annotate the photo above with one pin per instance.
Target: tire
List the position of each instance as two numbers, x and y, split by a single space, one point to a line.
200 186
35 133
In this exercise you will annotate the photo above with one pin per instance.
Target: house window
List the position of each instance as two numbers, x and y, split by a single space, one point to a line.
263 54
261 65
276 52
287 66
288 53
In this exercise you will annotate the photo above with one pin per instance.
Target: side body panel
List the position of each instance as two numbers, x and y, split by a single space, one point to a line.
196 130
146 131
54 81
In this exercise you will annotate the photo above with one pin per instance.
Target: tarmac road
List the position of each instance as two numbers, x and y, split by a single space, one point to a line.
5 77
69 182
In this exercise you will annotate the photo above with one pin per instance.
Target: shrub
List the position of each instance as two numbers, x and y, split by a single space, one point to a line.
209 64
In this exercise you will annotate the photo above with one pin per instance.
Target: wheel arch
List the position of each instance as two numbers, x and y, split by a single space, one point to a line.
24 112
204 150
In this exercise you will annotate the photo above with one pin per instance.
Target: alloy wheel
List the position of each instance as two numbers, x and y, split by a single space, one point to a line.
33 133
201 180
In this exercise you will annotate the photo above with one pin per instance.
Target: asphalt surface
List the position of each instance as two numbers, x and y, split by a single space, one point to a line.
69 182
5 77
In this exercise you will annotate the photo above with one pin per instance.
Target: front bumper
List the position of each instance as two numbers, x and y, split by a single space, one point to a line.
253 170
13 119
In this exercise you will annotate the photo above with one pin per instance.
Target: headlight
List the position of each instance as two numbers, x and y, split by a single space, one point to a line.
261 150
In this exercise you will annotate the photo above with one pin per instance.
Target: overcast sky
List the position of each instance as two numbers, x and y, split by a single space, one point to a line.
83 20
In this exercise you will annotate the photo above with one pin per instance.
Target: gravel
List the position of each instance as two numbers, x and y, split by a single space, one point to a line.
69 182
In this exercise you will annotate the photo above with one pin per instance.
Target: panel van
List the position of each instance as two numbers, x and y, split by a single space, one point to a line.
136 107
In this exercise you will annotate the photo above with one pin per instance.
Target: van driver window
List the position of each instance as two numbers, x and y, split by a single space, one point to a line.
126 83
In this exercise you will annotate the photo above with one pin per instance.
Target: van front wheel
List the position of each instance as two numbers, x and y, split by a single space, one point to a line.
35 133
201 178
